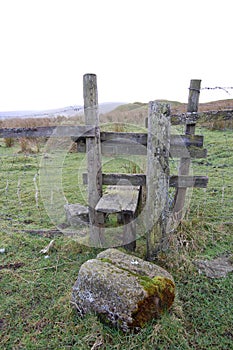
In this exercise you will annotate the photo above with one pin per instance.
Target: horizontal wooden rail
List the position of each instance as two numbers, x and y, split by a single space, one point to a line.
184 181
81 132
137 137
141 138
122 143
50 131
112 142
189 152
140 180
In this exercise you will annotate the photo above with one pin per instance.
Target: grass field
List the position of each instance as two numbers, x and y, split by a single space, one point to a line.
35 312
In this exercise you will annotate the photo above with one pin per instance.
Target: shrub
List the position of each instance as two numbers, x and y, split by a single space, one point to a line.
9 141
29 145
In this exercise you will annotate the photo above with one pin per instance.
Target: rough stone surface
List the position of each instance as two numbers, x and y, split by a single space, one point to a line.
76 214
123 290
215 268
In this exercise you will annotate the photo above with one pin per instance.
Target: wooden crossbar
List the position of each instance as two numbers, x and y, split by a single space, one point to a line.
50 131
181 181
122 143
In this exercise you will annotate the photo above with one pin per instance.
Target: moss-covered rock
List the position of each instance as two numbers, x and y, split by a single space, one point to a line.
123 290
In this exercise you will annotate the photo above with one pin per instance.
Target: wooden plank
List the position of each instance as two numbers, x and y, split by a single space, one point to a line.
187 140
120 179
141 139
119 199
184 181
90 95
119 144
193 100
49 131
188 152
122 147
140 180
157 176
113 149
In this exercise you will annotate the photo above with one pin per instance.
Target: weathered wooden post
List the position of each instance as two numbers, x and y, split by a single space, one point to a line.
94 170
157 177
193 100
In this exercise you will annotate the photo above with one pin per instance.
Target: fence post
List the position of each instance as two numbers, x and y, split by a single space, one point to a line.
93 151
193 100
157 176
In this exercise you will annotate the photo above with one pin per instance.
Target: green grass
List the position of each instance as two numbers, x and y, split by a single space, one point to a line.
35 311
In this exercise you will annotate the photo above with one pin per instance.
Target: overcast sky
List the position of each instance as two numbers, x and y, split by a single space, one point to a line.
141 50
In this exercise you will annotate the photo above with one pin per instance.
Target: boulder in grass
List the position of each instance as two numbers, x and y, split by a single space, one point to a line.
123 290
215 268
76 214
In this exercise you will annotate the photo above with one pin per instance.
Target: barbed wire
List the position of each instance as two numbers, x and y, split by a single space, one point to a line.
218 88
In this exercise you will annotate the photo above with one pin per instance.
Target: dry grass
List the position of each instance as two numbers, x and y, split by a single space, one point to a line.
36 122
29 145
9 142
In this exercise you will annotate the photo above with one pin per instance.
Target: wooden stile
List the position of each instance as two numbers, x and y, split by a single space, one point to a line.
158 145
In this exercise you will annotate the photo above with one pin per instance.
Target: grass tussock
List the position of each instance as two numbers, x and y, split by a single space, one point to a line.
9 141
29 145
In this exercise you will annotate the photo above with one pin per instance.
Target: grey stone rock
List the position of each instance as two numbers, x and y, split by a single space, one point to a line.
215 268
123 290
76 214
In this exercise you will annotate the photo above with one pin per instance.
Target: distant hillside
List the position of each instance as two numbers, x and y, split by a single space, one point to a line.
137 112
216 105
66 112
178 107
